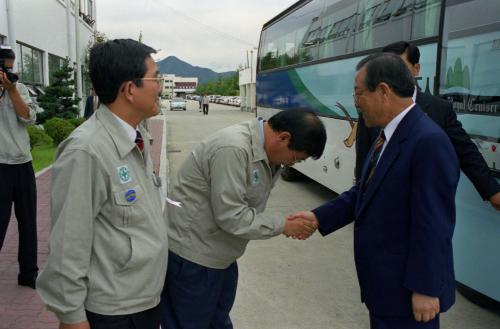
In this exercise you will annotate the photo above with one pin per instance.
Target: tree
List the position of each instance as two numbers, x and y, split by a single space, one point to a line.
223 86
59 100
98 37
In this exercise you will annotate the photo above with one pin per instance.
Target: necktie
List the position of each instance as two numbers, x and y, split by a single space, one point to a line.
379 142
139 141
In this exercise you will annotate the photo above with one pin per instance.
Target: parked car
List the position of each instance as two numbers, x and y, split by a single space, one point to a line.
178 103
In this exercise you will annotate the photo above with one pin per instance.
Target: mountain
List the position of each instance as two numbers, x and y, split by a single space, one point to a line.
173 65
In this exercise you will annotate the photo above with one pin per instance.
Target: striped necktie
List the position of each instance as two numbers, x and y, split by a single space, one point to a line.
377 148
139 141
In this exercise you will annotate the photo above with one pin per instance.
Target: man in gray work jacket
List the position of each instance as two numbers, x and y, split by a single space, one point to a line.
223 186
108 241
16 171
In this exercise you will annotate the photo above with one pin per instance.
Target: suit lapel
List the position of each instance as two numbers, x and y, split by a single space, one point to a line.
388 157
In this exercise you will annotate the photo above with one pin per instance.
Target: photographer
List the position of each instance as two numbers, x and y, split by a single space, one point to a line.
16 171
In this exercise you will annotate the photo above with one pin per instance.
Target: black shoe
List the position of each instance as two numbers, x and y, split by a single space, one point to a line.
27 282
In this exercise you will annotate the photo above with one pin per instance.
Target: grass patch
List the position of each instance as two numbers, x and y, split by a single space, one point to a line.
43 156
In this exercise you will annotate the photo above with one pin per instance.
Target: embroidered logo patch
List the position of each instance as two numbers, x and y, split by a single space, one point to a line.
130 195
255 177
124 174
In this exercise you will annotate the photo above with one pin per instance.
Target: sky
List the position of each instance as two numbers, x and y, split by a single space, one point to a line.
215 34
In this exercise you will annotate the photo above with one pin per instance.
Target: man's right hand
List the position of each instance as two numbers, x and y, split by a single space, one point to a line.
81 325
300 225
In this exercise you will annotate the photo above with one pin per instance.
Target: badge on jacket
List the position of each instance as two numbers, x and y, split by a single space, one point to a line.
255 177
124 174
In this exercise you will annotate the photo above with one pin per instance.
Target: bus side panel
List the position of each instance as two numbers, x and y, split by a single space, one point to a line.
335 168
475 242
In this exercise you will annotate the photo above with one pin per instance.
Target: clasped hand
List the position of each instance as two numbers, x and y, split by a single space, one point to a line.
300 225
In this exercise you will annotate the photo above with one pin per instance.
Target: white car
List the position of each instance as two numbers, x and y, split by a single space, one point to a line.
178 103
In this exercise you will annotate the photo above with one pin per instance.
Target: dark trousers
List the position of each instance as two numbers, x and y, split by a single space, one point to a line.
205 109
377 322
197 297
149 319
18 186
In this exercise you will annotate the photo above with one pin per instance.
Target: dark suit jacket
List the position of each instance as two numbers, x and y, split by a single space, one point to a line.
403 219
89 107
441 112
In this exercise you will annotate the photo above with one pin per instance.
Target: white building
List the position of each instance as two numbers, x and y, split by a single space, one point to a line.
168 86
43 34
247 78
175 86
247 89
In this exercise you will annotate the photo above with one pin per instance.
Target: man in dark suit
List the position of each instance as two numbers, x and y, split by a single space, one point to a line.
403 207
441 112
91 105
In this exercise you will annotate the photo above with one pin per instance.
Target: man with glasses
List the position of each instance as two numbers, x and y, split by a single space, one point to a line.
441 112
223 186
108 241
403 207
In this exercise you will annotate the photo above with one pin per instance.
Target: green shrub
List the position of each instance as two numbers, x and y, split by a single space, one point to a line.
59 129
77 121
38 137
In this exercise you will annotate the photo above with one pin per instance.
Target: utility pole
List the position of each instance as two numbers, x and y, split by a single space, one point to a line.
10 25
77 55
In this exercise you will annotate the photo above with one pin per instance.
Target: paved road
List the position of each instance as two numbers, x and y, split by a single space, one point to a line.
288 284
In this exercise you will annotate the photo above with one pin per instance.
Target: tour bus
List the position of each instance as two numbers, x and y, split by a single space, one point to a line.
307 58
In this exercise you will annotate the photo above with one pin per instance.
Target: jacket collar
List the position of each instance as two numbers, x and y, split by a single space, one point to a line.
115 130
258 151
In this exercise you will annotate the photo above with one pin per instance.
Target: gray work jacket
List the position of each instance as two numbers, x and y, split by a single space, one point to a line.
108 240
14 138
223 187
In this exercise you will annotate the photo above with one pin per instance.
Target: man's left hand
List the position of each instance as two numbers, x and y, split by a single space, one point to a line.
425 308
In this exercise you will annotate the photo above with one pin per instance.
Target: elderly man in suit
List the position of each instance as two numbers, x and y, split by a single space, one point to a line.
403 207
441 112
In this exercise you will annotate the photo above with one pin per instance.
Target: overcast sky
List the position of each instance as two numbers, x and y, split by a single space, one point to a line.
203 33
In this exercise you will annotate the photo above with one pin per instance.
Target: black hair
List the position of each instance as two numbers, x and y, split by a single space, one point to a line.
399 48
307 131
113 62
7 54
388 68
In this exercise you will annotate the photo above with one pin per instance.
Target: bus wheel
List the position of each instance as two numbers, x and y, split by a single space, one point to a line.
289 174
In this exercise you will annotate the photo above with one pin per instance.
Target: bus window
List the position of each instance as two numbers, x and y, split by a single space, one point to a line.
425 18
339 22
378 25
425 79
292 39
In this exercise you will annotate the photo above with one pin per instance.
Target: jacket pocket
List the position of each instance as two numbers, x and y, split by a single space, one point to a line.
126 201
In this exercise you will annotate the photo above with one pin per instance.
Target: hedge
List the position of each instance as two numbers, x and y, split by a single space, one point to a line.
38 137
58 129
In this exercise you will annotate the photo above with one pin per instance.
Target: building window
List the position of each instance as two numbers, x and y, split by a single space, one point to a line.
86 11
29 64
55 63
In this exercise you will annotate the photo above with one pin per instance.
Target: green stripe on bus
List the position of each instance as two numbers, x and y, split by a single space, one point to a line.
308 96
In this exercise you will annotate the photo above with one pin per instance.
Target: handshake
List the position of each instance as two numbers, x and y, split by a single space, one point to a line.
300 225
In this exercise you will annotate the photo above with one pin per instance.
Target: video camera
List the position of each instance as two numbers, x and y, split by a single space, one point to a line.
7 53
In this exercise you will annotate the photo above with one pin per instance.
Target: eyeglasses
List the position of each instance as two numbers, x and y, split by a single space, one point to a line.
159 80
